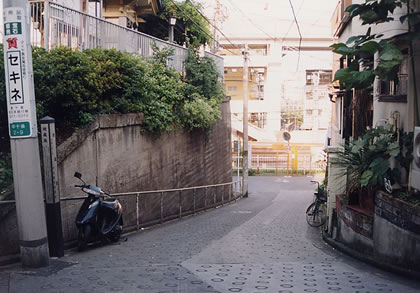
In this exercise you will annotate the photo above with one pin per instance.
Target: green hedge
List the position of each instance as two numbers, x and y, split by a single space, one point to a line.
74 86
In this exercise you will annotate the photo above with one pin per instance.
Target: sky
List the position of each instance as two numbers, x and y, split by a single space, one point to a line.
274 17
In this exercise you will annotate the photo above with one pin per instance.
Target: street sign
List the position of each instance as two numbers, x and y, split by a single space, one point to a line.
20 101
235 146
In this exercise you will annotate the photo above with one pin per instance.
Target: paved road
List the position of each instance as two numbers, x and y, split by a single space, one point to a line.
256 245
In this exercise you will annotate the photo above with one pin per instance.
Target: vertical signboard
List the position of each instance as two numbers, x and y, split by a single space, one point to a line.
20 102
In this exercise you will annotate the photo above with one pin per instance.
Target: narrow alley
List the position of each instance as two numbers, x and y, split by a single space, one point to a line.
258 244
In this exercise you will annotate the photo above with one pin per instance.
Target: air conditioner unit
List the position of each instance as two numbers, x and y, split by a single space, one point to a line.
415 171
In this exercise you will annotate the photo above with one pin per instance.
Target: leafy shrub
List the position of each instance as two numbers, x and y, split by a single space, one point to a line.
74 86
6 173
200 114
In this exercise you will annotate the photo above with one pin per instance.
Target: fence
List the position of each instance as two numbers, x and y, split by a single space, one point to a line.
280 163
54 25
144 208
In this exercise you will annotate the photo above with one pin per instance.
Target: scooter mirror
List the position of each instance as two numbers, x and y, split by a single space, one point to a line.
77 175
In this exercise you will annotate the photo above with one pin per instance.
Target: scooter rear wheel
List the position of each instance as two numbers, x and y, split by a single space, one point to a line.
116 233
85 232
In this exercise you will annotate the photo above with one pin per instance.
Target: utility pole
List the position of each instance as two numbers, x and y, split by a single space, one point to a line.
219 17
23 131
245 125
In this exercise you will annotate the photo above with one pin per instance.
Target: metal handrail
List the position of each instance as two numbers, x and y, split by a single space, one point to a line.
155 191
7 202
118 25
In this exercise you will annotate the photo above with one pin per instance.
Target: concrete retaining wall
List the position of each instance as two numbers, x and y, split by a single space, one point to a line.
114 154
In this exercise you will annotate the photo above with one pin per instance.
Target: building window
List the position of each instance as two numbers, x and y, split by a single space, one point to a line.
309 112
309 96
395 90
232 88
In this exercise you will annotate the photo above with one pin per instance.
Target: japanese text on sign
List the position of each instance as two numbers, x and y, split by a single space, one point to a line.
20 100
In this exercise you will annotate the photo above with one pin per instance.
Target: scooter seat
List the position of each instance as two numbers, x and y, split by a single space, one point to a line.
110 204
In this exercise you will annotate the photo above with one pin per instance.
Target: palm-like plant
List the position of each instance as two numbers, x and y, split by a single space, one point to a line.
365 161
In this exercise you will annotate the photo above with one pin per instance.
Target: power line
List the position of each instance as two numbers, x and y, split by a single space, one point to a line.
251 21
215 27
298 28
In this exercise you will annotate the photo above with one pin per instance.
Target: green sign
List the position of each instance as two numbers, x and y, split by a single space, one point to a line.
18 129
13 28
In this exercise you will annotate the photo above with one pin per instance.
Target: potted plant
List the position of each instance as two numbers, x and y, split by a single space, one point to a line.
366 163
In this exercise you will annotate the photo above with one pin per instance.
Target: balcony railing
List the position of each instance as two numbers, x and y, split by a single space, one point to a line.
54 25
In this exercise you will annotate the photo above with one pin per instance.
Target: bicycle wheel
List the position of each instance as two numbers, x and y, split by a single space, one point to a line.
315 215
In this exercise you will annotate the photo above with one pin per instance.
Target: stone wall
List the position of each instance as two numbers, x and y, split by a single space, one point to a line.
116 155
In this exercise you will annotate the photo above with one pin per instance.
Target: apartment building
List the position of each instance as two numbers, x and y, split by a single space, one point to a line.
272 76
317 105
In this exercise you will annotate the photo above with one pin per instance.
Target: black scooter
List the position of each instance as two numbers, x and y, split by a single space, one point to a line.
97 220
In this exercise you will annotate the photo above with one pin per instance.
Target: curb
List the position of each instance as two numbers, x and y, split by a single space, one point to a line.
370 259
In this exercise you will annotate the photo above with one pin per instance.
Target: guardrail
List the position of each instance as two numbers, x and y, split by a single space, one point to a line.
180 202
54 25
210 196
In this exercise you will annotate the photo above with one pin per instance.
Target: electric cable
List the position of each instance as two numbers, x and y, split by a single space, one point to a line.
215 27
250 20
298 28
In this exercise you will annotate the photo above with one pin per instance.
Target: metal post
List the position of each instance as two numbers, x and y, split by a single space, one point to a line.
47 25
52 195
137 212
180 204
214 197
21 111
205 197
288 155
194 201
245 124
223 194
161 207
239 153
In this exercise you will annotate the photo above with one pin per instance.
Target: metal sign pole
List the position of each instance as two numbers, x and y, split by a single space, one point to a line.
245 124
23 134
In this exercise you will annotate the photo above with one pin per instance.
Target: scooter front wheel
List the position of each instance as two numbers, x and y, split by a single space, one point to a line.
85 232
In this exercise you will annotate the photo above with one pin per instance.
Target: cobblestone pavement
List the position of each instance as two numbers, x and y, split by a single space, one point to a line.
256 245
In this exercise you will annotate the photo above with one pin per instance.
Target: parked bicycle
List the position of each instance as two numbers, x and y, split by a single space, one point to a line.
316 212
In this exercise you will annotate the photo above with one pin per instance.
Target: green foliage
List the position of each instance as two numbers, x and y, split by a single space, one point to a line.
366 160
357 48
197 31
200 113
375 11
201 74
74 87
6 173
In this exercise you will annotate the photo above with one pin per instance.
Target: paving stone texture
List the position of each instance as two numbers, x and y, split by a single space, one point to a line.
257 245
